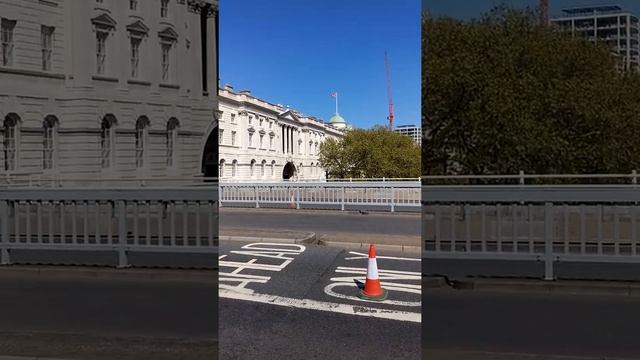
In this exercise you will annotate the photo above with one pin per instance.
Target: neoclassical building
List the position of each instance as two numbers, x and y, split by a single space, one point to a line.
108 88
261 141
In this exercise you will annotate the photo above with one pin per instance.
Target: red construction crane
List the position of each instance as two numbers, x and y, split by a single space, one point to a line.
544 12
390 117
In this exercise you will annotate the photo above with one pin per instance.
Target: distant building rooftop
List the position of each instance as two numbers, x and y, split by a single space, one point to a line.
589 10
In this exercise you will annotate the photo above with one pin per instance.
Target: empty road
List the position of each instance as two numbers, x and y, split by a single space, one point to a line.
392 228
545 324
94 313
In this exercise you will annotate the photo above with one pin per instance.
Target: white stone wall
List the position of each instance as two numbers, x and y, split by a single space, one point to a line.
79 97
240 112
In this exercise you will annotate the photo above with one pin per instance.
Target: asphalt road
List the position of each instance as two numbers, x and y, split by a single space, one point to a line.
459 269
594 327
393 228
291 301
76 316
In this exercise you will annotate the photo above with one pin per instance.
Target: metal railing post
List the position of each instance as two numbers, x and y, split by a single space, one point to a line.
634 178
342 200
4 233
122 234
255 194
297 197
548 241
220 194
393 208
521 177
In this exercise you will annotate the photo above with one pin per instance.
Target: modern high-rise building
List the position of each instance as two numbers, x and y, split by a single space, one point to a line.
611 24
412 131
95 89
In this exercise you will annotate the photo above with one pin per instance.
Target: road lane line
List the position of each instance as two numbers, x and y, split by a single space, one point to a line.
322 306
366 256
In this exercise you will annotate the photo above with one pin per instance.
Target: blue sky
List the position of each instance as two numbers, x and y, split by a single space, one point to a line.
297 52
465 9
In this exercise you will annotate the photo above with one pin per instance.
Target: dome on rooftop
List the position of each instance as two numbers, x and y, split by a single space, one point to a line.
337 121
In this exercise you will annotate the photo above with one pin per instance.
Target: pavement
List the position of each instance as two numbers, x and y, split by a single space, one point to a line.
329 226
300 301
100 313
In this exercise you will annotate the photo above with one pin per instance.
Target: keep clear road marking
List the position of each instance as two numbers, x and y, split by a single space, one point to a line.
264 250
382 275
278 251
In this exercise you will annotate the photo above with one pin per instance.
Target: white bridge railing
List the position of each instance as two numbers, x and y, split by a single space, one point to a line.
174 220
339 195
545 223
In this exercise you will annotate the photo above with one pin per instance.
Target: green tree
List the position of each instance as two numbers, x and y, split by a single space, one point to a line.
371 153
503 94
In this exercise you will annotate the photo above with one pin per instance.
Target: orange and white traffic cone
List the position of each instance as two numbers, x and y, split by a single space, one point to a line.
372 289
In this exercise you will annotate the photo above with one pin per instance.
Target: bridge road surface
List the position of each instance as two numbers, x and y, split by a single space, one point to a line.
297 301
390 228
492 322
67 315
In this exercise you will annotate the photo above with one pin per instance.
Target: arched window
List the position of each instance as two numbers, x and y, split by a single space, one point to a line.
262 168
48 141
172 136
141 136
107 141
221 172
11 123
252 168
234 166
273 168
311 169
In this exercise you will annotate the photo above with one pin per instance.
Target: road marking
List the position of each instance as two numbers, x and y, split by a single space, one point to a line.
322 306
366 256
383 275
260 250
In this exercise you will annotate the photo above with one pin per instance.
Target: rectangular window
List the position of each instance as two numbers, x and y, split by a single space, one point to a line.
250 139
271 143
6 38
133 5
46 34
140 133
105 145
101 51
233 138
221 133
135 56
166 61
233 118
48 148
261 141
170 146
164 8
10 148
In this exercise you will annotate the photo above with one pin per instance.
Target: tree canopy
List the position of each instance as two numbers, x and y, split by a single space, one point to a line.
503 94
371 153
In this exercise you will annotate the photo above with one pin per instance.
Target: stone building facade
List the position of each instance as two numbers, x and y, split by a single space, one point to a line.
108 88
261 141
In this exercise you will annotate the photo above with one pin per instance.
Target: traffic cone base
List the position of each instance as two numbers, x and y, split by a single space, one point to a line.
381 297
